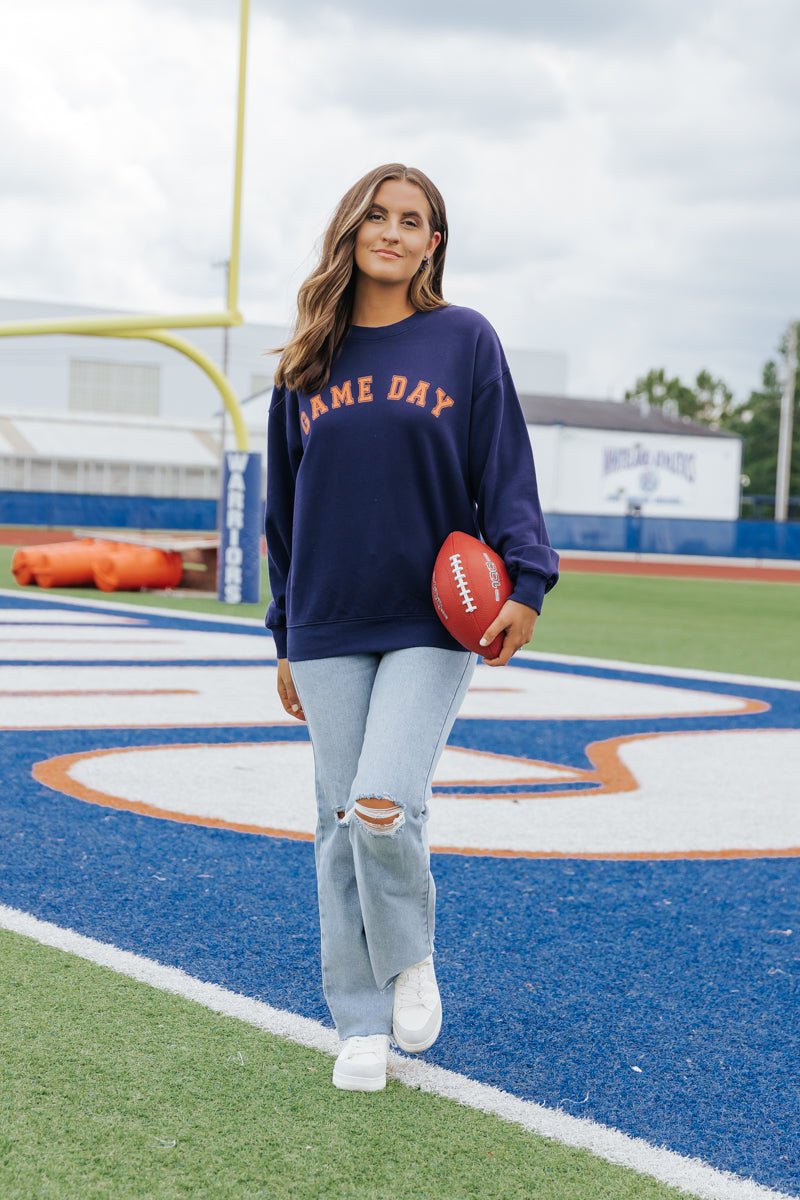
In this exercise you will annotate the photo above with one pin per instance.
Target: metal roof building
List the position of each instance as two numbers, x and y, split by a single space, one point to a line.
603 457
610 414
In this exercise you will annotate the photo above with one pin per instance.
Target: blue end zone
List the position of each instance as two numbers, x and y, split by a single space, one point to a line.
558 976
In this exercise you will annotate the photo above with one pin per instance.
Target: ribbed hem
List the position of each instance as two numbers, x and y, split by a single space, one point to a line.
367 637
531 587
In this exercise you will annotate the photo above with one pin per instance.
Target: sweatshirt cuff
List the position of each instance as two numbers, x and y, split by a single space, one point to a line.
529 589
279 636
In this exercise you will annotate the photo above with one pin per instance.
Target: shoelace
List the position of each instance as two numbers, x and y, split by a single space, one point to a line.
412 984
369 1043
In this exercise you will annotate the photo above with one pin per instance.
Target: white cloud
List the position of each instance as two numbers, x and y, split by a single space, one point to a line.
622 180
572 22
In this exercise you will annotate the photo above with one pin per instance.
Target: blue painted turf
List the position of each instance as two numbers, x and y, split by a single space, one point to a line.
558 976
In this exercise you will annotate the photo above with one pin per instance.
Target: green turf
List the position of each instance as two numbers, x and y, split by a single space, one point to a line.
110 1088
115 1089
716 625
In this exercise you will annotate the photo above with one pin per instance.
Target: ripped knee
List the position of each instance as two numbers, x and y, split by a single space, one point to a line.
380 814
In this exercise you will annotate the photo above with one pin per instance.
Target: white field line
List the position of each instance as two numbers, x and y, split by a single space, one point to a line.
721 560
530 655
35 594
689 1175
619 664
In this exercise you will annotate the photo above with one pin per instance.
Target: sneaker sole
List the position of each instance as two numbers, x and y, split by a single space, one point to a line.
358 1083
418 1047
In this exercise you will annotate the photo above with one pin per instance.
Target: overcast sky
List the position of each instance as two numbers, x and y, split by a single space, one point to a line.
622 177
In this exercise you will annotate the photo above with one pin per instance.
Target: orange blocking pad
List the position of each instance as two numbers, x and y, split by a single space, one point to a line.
67 564
198 553
132 561
127 568
56 564
23 562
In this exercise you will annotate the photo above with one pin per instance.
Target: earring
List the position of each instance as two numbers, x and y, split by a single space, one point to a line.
424 263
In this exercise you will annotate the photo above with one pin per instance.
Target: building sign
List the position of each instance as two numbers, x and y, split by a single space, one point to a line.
623 458
649 474
239 566
617 473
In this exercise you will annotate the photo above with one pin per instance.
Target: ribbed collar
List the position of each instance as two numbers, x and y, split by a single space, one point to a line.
374 333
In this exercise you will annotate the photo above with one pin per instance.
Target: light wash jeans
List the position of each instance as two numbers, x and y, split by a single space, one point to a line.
378 724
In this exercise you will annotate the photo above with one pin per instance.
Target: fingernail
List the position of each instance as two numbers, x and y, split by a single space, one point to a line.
295 707
484 641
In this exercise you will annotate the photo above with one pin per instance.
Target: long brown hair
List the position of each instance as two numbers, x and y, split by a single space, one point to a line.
325 299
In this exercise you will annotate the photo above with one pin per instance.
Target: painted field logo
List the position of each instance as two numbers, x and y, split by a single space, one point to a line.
552 759
238 576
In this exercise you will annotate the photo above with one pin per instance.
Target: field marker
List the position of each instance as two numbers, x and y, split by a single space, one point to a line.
531 656
690 1175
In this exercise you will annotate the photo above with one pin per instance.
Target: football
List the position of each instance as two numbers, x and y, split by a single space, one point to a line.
469 587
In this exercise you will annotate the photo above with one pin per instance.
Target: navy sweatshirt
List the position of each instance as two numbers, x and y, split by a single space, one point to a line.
417 433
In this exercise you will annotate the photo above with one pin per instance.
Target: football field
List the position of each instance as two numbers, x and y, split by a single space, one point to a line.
615 826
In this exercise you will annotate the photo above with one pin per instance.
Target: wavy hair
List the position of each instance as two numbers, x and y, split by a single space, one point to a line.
325 299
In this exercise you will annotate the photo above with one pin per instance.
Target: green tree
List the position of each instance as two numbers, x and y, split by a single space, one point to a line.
757 421
657 390
710 401
716 404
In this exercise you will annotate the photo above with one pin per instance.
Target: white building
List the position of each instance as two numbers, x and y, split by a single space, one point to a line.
73 373
603 457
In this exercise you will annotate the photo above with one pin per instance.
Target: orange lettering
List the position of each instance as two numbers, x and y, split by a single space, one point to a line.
317 407
398 388
442 401
419 393
342 395
364 392
304 421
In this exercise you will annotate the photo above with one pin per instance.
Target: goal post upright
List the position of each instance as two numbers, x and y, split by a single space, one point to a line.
236 224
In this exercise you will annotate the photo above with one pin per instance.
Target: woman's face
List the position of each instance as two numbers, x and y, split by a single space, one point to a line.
395 235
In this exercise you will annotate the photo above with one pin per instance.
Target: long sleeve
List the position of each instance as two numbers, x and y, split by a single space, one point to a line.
284 451
503 481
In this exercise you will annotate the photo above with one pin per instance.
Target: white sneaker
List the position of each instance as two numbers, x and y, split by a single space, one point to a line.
417 1011
361 1065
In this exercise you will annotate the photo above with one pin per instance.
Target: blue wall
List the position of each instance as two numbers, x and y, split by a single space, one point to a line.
673 535
568 531
106 512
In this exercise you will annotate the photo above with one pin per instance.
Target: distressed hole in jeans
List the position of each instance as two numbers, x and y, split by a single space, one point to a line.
379 814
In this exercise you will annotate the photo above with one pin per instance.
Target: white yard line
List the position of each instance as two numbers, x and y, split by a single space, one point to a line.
35 595
618 664
719 560
690 1175
533 656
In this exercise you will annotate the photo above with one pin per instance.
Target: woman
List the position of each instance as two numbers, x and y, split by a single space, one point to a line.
393 422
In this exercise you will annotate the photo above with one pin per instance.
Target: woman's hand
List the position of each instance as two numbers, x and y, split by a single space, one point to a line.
287 691
518 621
